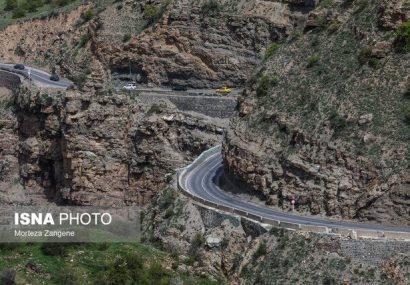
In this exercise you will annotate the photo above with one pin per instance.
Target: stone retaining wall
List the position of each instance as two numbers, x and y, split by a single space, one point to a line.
212 106
373 252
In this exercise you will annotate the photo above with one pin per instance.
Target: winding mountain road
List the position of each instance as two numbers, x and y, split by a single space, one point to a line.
38 77
202 181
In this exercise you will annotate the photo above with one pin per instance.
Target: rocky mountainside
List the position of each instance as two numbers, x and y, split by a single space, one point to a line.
83 149
82 146
238 251
324 120
203 47
195 43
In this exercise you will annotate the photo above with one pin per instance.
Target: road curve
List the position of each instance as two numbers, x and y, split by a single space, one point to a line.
202 181
39 78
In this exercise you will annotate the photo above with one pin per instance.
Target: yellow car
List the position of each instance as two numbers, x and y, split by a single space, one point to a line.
224 90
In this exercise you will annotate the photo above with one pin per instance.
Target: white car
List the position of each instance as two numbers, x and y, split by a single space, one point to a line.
130 86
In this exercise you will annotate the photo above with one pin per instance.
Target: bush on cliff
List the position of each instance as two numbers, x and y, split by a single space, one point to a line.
407 113
402 42
151 13
270 50
210 7
265 84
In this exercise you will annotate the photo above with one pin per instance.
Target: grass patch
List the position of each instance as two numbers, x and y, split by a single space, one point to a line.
88 264
14 10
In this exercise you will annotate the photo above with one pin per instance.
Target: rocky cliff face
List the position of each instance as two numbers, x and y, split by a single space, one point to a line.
322 121
203 48
83 149
183 42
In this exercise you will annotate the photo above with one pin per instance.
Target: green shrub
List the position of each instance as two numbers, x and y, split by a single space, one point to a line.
366 57
329 280
10 5
312 61
64 277
210 7
126 38
84 40
88 15
18 13
402 42
277 232
125 269
63 3
265 84
198 240
151 13
337 121
406 93
195 249
158 275
53 249
32 5
224 243
7 276
262 250
270 50
333 27
169 213
81 78
407 113
155 109
167 199
19 51
347 3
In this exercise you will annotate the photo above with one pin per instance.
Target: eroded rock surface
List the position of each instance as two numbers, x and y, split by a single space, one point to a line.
100 149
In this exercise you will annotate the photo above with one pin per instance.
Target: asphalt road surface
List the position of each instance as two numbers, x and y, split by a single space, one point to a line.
168 90
203 180
39 77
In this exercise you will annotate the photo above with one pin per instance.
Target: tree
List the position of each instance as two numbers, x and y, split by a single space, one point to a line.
18 13
10 5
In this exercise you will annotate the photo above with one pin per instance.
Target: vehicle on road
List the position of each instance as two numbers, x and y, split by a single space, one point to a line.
130 86
179 88
19 66
54 77
224 90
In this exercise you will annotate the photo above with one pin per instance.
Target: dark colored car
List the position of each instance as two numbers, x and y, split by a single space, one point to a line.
19 66
179 88
54 77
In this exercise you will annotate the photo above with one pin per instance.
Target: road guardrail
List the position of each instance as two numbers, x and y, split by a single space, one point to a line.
344 232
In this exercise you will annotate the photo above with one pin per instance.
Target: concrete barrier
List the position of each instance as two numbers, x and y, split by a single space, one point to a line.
343 232
254 217
290 226
397 235
369 234
225 208
271 222
240 212
314 229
